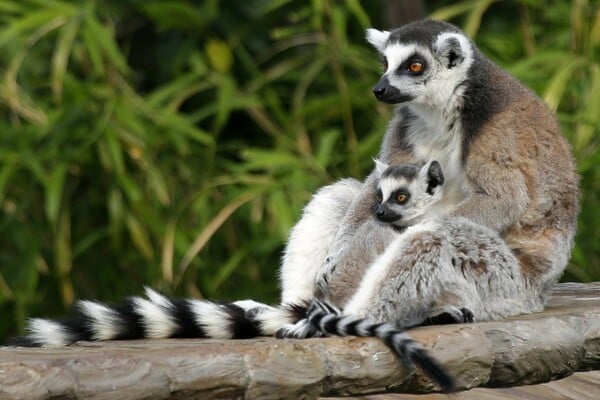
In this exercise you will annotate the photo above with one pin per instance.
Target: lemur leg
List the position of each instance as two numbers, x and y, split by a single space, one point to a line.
446 264
311 239
305 253
413 280
542 259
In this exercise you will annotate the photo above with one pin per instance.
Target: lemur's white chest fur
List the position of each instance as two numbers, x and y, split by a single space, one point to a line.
430 138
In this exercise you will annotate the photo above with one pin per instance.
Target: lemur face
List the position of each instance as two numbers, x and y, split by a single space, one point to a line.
423 62
406 192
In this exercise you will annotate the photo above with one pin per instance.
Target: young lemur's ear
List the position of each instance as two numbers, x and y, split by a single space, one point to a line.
434 176
380 166
377 38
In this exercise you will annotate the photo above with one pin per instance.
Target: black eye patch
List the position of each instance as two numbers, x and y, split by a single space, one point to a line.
414 65
400 196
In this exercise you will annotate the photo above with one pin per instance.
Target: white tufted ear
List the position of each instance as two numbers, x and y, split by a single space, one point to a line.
377 38
431 176
453 48
380 166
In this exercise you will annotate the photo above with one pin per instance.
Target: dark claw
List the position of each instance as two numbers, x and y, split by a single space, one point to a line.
467 315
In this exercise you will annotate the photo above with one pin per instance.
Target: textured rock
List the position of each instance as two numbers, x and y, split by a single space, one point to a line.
521 350
579 386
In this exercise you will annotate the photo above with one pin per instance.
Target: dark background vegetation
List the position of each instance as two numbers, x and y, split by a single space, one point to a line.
174 143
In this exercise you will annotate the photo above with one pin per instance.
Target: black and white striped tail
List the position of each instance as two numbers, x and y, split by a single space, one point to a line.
330 320
157 316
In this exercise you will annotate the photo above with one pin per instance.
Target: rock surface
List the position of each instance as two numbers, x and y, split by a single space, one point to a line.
523 350
579 386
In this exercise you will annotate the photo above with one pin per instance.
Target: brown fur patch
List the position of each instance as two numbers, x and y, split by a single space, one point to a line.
446 298
423 243
479 268
532 266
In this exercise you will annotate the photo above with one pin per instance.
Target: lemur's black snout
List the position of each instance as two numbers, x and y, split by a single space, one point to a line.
387 93
379 91
381 88
385 215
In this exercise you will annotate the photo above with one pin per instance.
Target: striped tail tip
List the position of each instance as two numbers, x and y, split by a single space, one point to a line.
434 370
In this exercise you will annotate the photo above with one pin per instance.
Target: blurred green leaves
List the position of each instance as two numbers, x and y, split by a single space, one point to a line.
174 144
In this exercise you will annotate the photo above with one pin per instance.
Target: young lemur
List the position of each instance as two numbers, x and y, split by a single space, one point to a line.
507 169
444 267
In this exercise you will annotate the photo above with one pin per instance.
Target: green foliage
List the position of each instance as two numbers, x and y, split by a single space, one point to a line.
173 144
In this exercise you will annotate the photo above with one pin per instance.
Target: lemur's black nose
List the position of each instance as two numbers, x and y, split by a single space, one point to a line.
379 91
387 93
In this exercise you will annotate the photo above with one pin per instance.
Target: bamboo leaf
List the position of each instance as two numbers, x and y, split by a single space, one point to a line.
210 230
105 43
54 192
140 238
62 54
558 83
168 251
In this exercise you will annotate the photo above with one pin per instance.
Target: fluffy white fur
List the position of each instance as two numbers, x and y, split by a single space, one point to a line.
212 317
47 333
156 319
309 240
106 322
379 271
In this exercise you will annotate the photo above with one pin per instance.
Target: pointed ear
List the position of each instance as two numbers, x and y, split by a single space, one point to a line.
380 166
433 175
377 38
451 49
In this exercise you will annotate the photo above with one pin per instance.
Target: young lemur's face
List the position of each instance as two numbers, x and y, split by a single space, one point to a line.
406 192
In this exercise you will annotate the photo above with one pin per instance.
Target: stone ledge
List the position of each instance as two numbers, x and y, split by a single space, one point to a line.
523 350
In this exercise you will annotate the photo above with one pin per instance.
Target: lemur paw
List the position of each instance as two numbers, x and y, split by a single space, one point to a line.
450 315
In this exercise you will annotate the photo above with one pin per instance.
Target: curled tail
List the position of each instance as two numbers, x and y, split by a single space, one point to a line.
157 316
330 320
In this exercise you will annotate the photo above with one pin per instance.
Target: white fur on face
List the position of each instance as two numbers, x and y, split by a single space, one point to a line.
436 87
419 203
389 185
396 54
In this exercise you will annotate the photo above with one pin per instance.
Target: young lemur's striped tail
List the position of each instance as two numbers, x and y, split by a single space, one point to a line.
331 321
157 316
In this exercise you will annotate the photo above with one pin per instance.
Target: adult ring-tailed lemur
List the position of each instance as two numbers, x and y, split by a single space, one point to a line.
507 168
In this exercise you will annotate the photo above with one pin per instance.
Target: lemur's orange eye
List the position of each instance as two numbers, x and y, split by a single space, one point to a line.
401 198
415 67
384 62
